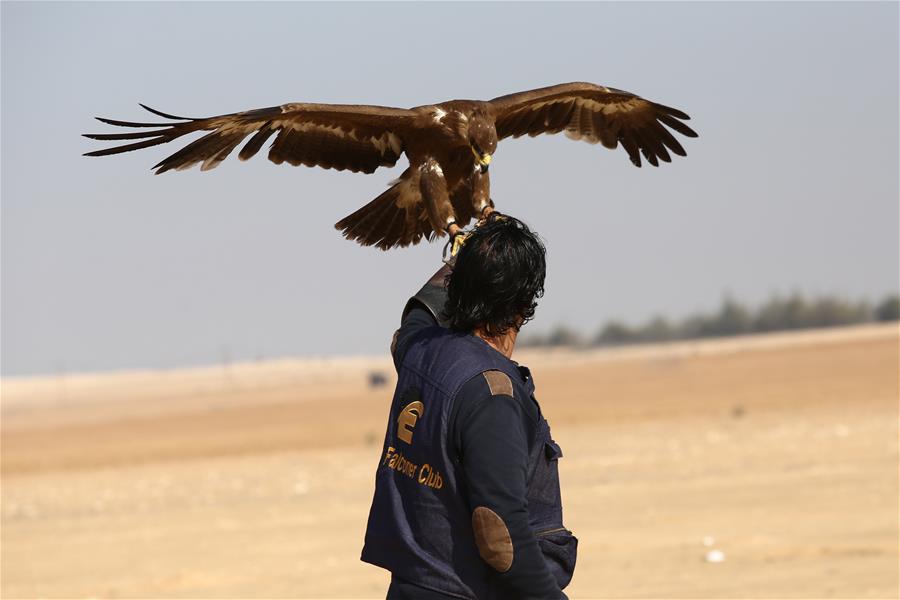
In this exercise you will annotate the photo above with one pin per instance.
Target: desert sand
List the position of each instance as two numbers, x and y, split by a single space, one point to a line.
756 467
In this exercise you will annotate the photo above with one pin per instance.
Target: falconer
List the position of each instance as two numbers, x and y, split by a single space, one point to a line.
467 501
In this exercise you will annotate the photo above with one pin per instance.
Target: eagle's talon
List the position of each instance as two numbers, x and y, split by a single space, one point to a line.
457 242
458 238
489 214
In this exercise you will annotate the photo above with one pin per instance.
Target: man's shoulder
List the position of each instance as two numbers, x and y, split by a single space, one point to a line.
415 321
496 387
484 402
493 382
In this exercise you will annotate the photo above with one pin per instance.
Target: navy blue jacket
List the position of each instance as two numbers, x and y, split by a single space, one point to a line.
446 455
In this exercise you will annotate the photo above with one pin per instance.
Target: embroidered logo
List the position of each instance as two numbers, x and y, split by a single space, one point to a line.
406 422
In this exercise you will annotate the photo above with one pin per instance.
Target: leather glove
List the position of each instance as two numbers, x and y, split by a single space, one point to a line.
433 295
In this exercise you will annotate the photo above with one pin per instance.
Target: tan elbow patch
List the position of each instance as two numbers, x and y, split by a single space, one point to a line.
499 383
492 538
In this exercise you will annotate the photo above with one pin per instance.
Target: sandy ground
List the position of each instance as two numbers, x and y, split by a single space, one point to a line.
780 452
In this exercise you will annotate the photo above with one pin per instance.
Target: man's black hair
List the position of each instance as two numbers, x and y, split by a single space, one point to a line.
497 279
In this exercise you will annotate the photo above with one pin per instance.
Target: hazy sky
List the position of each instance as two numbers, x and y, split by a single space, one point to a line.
792 184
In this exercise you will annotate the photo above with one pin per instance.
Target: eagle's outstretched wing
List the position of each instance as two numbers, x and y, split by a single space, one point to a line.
333 136
595 114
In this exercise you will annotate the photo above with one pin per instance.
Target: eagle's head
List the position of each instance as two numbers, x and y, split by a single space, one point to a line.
482 137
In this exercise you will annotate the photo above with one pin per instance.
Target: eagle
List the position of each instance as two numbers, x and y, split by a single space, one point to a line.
449 146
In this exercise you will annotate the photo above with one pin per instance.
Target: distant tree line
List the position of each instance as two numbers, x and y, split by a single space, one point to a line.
733 318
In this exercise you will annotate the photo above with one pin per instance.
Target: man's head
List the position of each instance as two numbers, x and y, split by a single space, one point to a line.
497 279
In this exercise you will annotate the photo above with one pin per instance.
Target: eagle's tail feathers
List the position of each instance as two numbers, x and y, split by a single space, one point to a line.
389 233
356 226
395 230
383 222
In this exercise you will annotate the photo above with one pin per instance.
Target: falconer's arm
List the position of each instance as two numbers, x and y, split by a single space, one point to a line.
490 431
425 309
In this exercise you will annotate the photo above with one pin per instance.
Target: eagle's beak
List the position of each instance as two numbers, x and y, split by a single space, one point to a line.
485 162
482 159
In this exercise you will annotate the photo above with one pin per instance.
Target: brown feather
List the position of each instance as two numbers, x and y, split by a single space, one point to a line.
355 137
669 140
671 111
605 131
557 116
228 146
136 135
631 147
165 115
677 125
190 154
598 114
128 147
377 227
392 219
649 141
130 123
461 200
256 142
391 228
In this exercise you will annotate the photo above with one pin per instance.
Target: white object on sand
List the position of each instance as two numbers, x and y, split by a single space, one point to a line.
715 556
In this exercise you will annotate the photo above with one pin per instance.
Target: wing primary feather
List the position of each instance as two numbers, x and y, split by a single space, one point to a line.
228 145
255 143
669 140
631 148
677 125
188 155
672 111
650 141
662 152
165 115
136 135
128 147
130 123
645 145
213 161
